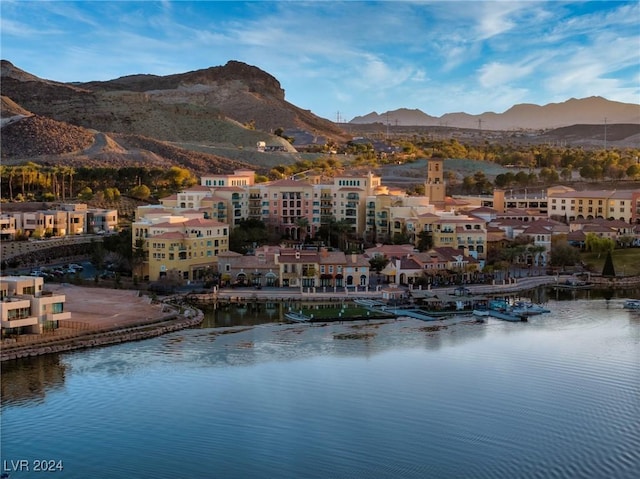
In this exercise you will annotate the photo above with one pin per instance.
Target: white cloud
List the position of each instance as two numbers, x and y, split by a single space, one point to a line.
496 74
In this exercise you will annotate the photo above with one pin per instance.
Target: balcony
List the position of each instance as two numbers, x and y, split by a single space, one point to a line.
352 196
20 322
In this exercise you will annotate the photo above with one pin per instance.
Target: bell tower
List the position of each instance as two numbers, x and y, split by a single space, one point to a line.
434 187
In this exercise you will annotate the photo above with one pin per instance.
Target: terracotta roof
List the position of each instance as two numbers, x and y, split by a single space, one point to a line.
288 182
203 222
227 188
229 254
170 235
576 236
332 257
483 209
196 189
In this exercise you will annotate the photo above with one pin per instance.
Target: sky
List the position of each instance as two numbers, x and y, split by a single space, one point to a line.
350 58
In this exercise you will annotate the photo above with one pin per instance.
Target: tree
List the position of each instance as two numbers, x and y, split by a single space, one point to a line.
563 254
247 235
85 194
179 177
302 223
112 195
377 264
138 255
341 228
608 271
535 251
597 244
141 192
425 241
633 172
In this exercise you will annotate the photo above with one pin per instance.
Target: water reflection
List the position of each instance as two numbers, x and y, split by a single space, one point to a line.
554 397
29 380
233 335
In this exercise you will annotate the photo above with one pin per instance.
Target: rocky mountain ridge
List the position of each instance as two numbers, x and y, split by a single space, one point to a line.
204 105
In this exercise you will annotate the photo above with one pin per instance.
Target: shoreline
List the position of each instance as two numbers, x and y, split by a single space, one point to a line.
116 335
112 332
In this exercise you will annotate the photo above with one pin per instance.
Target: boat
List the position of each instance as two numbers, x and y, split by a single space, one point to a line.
500 309
527 308
632 304
481 312
515 318
297 317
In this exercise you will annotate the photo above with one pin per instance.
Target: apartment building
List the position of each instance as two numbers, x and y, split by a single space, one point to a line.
184 247
25 308
569 205
66 219
457 231
295 268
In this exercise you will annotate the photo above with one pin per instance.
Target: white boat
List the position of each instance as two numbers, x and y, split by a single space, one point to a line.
527 308
632 304
481 312
297 317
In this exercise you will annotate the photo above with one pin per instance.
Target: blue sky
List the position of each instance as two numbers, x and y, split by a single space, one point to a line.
348 57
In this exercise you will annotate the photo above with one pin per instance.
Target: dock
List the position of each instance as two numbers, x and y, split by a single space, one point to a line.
412 313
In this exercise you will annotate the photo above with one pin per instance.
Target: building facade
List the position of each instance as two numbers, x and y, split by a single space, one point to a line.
25 308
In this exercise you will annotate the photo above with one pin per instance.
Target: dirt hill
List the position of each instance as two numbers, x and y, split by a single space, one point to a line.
154 120
214 105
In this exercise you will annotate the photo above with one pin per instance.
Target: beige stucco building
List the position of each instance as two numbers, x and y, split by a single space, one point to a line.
25 308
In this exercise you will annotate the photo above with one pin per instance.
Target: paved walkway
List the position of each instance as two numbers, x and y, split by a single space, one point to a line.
276 294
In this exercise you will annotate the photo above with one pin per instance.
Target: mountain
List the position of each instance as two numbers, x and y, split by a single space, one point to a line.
207 120
235 104
592 110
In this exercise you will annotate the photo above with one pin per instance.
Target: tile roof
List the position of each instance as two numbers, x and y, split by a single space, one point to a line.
170 235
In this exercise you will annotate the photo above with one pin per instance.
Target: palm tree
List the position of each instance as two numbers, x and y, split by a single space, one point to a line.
302 223
71 171
341 227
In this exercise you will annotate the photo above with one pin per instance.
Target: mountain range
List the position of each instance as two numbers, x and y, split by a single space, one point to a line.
586 111
210 120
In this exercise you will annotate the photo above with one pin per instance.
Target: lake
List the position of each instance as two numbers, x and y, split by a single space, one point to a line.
556 397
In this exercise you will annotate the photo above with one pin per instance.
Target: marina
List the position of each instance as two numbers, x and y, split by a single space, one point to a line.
258 386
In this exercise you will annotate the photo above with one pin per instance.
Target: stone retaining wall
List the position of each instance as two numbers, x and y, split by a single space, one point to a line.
103 338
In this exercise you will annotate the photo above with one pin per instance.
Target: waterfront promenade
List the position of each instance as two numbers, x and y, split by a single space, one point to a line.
343 294
106 316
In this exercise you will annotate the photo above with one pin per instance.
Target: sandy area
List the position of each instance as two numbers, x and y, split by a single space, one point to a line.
105 308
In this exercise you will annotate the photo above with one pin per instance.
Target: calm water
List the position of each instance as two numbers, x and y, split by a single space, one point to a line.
558 397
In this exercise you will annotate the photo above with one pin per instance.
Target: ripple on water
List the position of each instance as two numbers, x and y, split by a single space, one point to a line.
555 397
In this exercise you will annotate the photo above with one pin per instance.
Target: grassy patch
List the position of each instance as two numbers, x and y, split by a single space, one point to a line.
349 312
625 261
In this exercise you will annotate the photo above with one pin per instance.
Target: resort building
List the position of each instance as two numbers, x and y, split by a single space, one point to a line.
184 247
570 205
66 219
295 268
25 308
